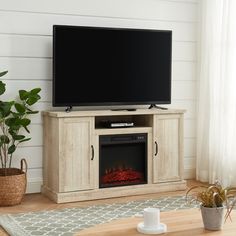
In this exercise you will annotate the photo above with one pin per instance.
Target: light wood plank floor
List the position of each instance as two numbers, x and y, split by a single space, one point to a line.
37 202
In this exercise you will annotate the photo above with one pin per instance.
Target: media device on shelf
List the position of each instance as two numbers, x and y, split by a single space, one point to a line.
98 66
116 123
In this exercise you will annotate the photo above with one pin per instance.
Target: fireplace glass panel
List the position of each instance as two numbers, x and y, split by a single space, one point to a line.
123 160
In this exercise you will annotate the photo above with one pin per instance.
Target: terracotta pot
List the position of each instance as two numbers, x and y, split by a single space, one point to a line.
13 185
212 217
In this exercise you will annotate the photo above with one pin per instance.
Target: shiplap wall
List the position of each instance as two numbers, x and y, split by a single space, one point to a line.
26 51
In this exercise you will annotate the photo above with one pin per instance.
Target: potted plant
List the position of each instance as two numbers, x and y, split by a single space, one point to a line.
14 121
214 199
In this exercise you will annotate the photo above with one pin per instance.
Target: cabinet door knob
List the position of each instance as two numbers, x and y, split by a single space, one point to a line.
92 152
156 145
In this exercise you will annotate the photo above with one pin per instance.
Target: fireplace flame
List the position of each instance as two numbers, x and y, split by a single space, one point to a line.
121 175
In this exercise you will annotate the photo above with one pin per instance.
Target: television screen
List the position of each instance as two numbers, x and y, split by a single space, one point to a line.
111 66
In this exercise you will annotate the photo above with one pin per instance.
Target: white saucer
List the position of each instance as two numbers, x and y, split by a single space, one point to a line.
159 229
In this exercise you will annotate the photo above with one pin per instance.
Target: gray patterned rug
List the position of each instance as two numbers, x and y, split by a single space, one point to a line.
68 221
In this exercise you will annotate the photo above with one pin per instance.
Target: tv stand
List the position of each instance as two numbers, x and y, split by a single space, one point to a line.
72 152
157 107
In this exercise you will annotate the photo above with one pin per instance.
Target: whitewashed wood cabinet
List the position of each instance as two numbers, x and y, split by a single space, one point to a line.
168 148
76 164
71 152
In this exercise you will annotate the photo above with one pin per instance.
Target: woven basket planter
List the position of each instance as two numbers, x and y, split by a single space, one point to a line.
13 185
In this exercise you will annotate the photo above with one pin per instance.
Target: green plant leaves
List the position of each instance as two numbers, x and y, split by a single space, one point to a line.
35 91
11 149
13 123
3 73
19 137
31 112
23 94
4 139
16 123
32 100
30 97
14 118
25 122
2 85
24 140
2 88
5 108
20 108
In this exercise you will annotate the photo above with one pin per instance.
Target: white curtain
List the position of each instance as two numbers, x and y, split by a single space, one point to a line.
216 121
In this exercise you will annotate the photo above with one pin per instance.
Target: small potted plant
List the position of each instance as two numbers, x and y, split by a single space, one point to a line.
214 199
14 121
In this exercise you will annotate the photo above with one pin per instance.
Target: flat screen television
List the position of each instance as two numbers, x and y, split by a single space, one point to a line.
95 66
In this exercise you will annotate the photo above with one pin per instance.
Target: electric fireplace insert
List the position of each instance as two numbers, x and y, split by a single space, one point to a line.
122 160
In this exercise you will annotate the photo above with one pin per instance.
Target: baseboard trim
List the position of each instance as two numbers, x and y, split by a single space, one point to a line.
34 185
189 173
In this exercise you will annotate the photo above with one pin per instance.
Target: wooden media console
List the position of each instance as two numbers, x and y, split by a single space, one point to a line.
71 152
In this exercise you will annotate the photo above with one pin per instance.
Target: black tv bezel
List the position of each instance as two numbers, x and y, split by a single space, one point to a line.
56 104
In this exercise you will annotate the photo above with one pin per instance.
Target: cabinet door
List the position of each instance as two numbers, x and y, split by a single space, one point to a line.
76 164
168 148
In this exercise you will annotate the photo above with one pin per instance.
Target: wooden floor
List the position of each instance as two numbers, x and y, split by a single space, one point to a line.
37 202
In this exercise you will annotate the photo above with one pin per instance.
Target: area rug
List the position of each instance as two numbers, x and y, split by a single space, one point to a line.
68 221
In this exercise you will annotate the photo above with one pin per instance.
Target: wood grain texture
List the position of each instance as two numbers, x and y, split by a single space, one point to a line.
113 192
179 223
168 135
76 169
67 154
50 163
112 113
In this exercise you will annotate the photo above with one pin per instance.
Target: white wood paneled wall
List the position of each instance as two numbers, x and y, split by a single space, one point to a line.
26 51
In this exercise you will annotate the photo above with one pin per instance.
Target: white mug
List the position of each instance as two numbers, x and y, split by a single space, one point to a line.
151 217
